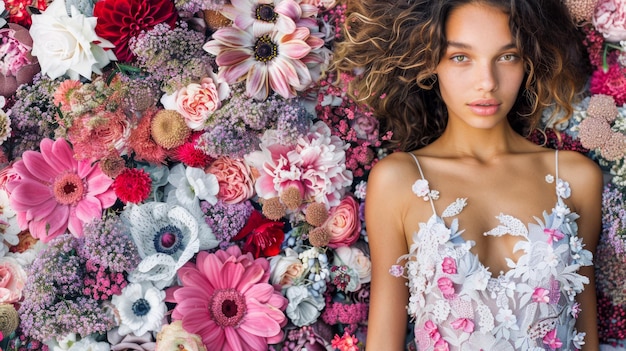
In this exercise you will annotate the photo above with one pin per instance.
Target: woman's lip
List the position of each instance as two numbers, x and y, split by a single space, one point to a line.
484 110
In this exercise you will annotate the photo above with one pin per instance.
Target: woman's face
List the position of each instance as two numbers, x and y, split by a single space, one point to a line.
481 71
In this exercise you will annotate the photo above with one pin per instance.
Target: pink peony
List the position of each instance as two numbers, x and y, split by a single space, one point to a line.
315 165
12 280
234 178
55 192
226 299
17 65
610 19
343 223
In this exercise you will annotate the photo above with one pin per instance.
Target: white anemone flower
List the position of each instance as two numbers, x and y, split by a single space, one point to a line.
166 237
141 308
70 343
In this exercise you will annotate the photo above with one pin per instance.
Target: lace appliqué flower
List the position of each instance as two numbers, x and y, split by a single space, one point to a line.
422 189
563 189
549 178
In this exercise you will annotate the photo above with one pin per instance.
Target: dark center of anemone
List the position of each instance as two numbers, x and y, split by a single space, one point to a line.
68 188
265 12
141 307
227 307
265 49
168 239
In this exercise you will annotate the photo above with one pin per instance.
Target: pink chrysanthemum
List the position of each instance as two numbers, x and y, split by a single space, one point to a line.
54 192
611 82
132 185
275 61
226 299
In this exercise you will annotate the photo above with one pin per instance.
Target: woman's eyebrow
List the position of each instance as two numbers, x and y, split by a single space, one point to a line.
465 46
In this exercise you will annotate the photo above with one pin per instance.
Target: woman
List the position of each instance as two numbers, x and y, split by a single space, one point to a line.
490 237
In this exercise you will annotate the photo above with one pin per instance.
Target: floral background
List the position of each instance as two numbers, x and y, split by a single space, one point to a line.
190 174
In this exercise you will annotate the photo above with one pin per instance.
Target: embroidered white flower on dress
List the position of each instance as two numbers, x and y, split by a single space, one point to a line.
421 188
549 178
141 308
507 318
563 189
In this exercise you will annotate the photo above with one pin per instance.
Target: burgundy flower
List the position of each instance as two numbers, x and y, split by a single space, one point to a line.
121 20
263 236
611 82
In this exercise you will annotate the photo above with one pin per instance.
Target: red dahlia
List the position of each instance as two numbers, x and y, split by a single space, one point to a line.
121 20
132 185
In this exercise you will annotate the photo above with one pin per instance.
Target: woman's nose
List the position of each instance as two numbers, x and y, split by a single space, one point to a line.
486 77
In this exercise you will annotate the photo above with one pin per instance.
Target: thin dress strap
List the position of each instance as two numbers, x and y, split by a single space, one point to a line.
556 166
432 204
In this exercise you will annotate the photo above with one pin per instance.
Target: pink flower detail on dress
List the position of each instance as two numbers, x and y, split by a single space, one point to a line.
575 309
465 324
345 343
441 345
554 235
448 265
552 340
226 299
54 192
541 295
396 270
446 286
431 329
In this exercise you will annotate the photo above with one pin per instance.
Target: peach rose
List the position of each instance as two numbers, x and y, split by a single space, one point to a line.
197 101
12 280
343 223
234 178
172 337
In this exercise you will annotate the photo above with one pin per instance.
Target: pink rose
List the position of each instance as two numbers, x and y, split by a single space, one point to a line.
446 286
448 265
610 19
12 280
343 223
234 178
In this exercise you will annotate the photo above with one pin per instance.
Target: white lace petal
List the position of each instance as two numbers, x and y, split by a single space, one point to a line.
454 208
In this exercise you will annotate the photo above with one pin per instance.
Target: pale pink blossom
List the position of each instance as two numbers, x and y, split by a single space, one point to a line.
420 187
553 235
54 192
610 19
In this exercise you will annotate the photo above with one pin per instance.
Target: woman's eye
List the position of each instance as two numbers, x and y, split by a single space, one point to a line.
459 58
508 57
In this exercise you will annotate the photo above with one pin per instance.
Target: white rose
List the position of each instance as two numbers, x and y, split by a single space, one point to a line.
355 259
66 44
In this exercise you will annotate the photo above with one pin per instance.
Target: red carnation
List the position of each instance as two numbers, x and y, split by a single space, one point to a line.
121 20
263 236
132 185
192 156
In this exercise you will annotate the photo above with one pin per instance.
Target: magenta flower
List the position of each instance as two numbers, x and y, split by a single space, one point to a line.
552 341
275 61
226 299
53 192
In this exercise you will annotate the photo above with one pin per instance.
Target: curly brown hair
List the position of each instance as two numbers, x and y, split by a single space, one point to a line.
395 46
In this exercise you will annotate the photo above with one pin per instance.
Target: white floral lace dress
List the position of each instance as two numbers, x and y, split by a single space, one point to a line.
457 304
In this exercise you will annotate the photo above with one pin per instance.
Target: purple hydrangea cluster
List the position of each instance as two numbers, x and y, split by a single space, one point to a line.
33 117
69 280
226 220
172 56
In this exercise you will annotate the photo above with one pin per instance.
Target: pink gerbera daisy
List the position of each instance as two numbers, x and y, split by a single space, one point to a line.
53 192
226 299
275 61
